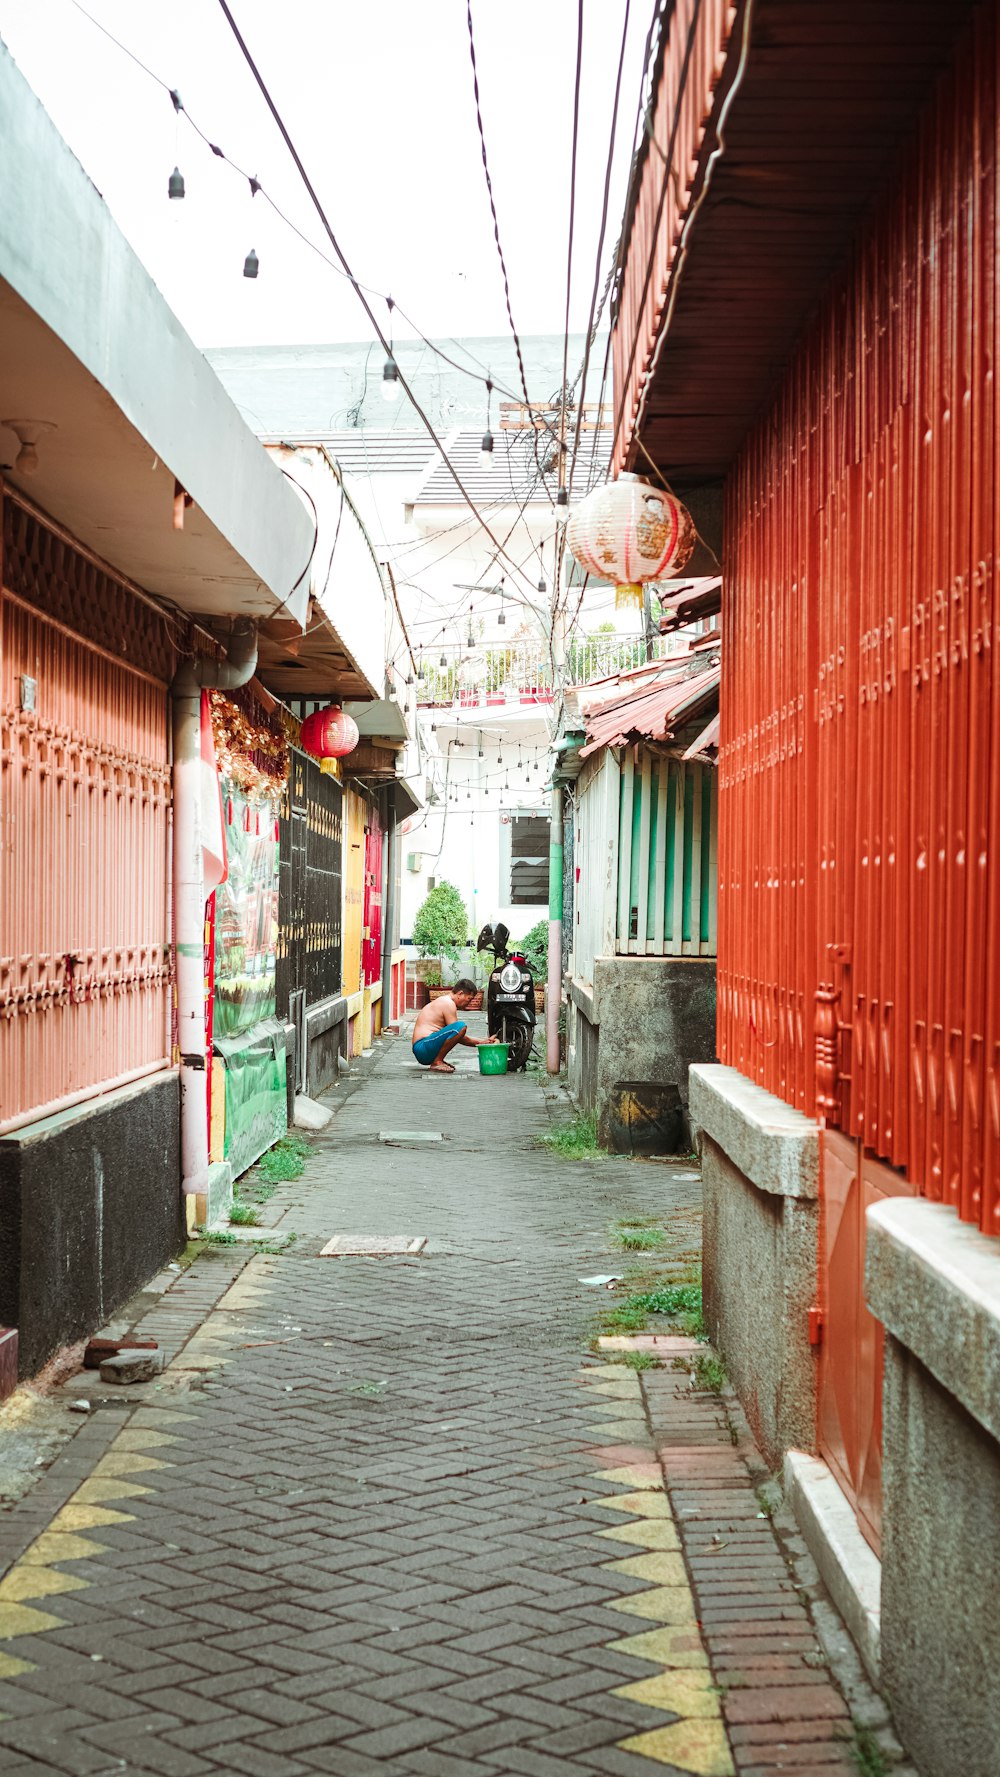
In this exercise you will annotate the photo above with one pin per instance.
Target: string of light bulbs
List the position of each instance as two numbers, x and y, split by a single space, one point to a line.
392 385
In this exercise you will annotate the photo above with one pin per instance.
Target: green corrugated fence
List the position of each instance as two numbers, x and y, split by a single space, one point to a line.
667 850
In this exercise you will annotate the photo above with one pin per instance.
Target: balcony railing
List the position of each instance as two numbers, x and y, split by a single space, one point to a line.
521 672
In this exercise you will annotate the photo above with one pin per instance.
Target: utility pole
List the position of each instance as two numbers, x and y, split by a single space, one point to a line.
553 986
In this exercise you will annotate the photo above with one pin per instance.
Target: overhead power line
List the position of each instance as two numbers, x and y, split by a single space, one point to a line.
366 305
493 207
591 321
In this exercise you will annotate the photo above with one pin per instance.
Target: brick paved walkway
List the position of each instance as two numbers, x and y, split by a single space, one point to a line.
392 1516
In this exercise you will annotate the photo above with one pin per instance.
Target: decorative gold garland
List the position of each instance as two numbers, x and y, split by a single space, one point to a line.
249 753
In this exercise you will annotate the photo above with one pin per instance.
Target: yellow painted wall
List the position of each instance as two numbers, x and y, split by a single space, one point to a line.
217 1144
355 812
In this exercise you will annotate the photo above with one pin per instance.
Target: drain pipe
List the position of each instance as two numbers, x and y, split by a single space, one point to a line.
553 990
191 679
390 907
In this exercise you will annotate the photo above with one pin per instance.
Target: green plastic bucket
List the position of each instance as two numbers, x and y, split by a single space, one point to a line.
493 1058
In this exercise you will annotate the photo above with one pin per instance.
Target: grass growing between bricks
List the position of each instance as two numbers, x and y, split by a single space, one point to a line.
709 1373
285 1161
867 1754
576 1140
635 1360
637 1239
678 1304
243 1215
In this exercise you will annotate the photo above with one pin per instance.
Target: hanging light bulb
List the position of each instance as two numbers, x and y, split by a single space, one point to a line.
390 371
175 184
542 588
251 264
486 446
390 380
480 754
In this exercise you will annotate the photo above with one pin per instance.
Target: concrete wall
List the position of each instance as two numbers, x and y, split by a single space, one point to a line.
326 1040
935 1283
631 1043
90 1208
760 1182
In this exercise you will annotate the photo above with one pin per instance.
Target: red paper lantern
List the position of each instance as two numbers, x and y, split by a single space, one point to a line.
329 733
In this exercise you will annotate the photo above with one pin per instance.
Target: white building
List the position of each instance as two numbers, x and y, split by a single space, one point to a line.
474 592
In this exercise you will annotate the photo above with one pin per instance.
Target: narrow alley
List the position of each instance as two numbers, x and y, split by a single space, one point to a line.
397 1515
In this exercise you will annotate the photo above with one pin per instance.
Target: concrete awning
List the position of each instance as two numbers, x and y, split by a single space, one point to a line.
88 345
383 718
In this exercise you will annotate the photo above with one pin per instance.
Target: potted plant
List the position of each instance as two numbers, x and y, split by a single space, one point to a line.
441 930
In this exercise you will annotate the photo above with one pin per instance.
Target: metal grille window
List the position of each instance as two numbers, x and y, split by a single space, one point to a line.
309 892
529 860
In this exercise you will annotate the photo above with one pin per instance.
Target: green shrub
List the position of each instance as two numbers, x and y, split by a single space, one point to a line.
534 947
441 927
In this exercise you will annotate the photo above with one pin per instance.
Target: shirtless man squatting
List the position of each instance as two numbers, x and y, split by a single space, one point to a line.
439 1028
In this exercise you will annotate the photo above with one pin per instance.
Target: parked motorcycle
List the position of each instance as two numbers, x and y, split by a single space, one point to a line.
510 996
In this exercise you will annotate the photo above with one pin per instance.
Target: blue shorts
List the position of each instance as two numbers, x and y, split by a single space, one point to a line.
429 1048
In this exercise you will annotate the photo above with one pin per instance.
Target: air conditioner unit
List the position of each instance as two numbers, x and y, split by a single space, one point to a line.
415 861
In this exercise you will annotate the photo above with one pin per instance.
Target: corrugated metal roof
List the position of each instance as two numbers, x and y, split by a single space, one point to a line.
653 705
698 598
826 97
523 463
362 451
705 744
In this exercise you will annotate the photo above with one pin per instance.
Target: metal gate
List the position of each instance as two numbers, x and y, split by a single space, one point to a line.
371 961
310 832
85 960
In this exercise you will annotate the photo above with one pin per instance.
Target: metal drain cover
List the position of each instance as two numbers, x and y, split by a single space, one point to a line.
372 1246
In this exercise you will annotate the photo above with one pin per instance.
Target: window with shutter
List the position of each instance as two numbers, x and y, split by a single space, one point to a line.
529 860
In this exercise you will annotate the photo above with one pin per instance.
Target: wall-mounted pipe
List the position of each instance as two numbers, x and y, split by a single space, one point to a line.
192 678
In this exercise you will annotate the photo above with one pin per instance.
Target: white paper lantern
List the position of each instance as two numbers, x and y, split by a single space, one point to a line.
629 531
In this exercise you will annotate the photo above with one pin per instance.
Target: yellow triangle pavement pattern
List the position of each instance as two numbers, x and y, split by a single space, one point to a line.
696 1741
649 1533
35 1575
700 1747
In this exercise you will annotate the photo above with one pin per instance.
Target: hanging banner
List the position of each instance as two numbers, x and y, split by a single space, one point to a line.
256 1099
246 917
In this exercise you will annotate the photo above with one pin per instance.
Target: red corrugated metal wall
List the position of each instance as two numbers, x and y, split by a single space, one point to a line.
859 858
85 959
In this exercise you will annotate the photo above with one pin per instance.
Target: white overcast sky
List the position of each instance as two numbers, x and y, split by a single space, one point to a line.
378 97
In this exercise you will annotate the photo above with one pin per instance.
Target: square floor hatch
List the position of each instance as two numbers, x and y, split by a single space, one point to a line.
372 1246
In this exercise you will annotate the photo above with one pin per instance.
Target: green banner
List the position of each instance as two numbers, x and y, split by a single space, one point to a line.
256 1097
246 917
